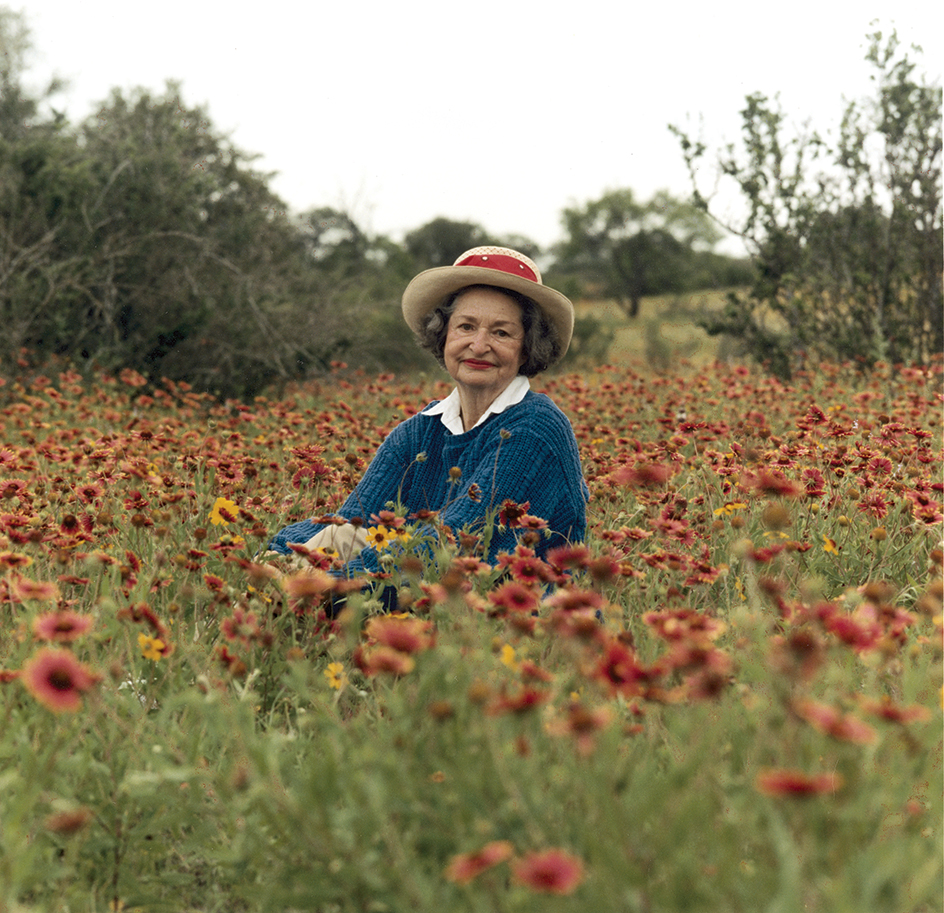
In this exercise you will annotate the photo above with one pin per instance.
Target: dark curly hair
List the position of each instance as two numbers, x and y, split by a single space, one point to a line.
541 346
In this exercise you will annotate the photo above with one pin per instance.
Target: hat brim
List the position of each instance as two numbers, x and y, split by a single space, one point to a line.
432 287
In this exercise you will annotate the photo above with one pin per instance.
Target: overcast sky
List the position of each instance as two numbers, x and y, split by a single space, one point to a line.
497 113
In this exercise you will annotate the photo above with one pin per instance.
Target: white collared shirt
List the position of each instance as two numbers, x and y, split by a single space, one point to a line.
448 409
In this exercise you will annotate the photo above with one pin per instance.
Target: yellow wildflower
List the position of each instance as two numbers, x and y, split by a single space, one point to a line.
230 508
728 509
380 536
829 545
336 676
508 656
151 647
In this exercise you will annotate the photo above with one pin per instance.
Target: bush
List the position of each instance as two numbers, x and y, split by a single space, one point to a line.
846 237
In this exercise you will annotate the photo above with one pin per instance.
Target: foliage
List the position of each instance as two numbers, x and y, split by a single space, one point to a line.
441 241
146 242
847 236
627 249
143 239
728 699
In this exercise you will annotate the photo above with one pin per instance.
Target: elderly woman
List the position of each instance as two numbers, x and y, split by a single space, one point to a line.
492 324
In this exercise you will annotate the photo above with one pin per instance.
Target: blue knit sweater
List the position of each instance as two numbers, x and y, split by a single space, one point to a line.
537 461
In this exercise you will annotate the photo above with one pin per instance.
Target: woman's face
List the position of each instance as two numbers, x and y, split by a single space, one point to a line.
484 341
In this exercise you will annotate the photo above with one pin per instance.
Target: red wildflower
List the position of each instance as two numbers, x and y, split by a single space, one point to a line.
529 569
258 574
61 626
214 584
469 565
575 599
143 613
232 663
815 483
709 682
684 625
582 723
433 594
310 582
702 572
14 559
924 508
521 701
513 597
316 558
772 482
886 709
407 635
572 557
678 530
57 679
533 673
510 513
69 822
642 475
619 670
387 518
604 568
874 504
241 625
527 521
857 631
800 653
815 416
466 866
307 452
762 555
548 871
833 722
90 493
13 488
782 782
24 590
381 658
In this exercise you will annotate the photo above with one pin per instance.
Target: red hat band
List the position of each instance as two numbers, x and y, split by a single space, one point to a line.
502 262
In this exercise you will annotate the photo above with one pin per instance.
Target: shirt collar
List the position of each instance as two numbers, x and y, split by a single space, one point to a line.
448 409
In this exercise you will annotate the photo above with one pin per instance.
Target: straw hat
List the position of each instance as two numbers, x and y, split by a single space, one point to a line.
497 266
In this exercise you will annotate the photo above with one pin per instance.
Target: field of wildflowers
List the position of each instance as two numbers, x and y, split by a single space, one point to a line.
728 699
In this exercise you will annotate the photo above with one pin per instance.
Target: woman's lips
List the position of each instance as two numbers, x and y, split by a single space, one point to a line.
478 365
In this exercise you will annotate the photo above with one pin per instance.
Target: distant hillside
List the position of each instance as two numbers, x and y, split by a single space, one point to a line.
664 334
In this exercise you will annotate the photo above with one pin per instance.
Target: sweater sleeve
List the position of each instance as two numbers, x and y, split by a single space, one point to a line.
380 484
537 465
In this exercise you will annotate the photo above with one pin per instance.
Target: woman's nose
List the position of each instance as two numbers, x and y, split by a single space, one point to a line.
481 340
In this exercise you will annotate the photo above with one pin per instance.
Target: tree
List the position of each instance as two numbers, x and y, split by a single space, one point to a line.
846 237
629 249
144 239
440 241
334 241
42 179
18 109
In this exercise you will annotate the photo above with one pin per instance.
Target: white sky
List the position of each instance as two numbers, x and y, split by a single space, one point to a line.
497 113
